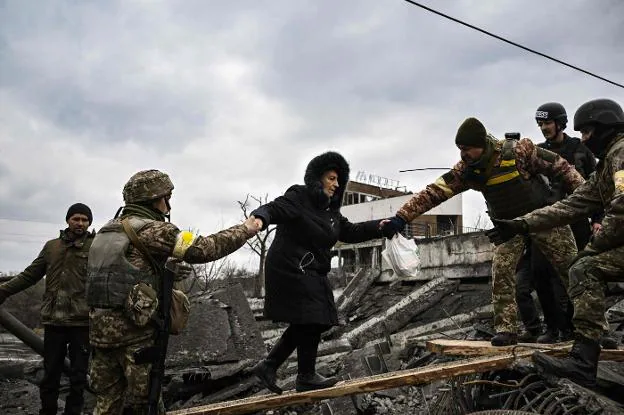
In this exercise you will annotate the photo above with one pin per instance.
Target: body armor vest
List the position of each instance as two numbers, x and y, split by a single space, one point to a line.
507 194
110 276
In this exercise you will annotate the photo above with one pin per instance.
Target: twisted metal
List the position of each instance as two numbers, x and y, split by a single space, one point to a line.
503 390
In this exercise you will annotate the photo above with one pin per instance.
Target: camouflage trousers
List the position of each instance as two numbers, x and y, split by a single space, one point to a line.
118 382
588 278
558 246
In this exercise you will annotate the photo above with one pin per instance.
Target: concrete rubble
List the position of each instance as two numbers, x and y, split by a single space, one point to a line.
386 321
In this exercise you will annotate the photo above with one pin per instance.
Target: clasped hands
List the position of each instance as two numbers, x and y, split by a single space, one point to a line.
253 225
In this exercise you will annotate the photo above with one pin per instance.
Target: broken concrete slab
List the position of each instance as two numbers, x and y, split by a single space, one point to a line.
593 402
410 337
459 334
402 312
363 362
458 256
355 289
221 328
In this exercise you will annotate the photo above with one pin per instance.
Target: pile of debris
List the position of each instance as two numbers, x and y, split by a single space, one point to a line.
389 325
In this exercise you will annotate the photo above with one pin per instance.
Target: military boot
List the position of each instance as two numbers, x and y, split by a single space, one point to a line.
566 335
530 335
313 381
580 365
504 339
308 378
608 342
550 336
266 370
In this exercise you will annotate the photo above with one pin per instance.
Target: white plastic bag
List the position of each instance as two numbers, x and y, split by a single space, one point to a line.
402 255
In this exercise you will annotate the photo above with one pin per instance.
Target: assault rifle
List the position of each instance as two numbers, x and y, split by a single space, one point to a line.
157 353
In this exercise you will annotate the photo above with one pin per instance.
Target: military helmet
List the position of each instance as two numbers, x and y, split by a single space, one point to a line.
147 185
598 111
552 111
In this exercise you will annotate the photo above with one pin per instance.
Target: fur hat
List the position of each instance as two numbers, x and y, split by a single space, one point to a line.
319 165
471 133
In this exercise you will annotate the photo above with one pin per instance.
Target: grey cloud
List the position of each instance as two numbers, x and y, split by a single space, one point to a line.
155 84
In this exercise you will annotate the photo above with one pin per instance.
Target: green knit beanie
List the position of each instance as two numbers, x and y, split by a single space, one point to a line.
471 133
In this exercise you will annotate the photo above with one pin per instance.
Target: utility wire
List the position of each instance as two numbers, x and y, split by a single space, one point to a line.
426 168
446 16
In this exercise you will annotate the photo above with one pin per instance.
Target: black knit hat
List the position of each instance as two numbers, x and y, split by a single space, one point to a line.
471 133
80 208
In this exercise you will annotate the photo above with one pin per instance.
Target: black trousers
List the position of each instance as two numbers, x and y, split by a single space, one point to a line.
535 272
58 342
303 337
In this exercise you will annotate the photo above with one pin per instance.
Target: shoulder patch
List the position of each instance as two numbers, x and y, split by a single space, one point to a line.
618 180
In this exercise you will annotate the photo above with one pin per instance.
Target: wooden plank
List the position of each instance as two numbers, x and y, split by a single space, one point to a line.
356 386
484 348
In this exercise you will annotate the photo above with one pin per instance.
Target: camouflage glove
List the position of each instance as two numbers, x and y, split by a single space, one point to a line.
393 227
505 229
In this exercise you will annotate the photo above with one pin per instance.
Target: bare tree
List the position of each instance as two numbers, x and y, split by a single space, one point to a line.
206 274
482 221
260 242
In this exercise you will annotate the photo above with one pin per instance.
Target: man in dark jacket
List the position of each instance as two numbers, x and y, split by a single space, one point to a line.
298 291
538 273
64 311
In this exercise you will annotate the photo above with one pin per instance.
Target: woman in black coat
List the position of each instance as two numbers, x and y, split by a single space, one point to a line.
298 291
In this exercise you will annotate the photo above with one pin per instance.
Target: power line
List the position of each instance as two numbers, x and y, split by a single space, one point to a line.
426 168
446 16
28 220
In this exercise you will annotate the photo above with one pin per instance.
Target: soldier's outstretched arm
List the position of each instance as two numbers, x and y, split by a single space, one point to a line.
199 249
583 203
537 160
445 187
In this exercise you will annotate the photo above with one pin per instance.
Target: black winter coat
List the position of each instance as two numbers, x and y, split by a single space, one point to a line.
308 225
297 288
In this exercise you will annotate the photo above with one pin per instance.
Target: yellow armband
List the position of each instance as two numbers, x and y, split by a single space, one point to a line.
183 241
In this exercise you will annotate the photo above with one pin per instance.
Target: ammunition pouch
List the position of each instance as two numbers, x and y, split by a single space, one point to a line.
141 304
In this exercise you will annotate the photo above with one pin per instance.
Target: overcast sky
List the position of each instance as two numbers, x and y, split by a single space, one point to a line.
235 97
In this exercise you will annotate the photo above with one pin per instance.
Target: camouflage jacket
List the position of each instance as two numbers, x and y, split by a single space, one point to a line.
111 328
64 263
530 160
603 190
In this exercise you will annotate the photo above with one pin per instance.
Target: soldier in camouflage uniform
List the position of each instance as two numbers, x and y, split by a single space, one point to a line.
122 286
601 123
64 311
506 173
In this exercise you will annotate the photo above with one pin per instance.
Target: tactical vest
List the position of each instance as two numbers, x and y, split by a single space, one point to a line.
110 276
508 194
